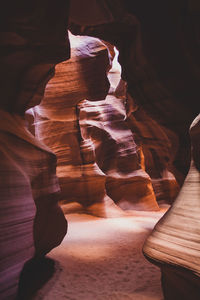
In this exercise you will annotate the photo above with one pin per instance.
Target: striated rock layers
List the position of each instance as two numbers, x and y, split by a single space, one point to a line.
159 147
174 242
33 39
31 221
159 54
116 153
98 159
57 124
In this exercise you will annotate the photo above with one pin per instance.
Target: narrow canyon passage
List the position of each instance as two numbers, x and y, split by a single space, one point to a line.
92 153
102 259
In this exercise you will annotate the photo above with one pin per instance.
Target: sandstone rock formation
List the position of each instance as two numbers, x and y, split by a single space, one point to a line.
161 67
97 156
159 146
175 239
117 154
31 221
160 63
33 39
159 54
57 123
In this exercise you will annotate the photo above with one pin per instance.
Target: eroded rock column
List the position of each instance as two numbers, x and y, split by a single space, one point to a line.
174 242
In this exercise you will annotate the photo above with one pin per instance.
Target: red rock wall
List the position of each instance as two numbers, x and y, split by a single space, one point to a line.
92 135
117 154
33 38
158 47
159 146
57 123
175 238
159 54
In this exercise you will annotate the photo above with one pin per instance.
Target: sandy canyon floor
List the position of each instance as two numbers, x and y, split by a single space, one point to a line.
101 259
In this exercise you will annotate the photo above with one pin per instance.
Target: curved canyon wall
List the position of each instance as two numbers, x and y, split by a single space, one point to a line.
33 39
159 53
174 242
95 142
160 63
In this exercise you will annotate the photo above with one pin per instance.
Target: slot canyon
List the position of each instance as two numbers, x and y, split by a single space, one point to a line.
100 150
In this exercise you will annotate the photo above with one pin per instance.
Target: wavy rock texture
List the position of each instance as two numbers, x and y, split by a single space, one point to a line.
114 170
159 147
175 239
161 67
57 123
33 39
29 201
159 54
117 154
